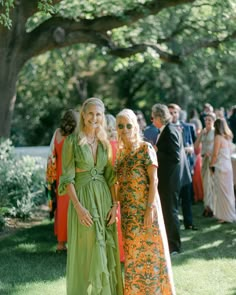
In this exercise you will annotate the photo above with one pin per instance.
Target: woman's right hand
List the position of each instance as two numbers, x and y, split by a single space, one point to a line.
84 216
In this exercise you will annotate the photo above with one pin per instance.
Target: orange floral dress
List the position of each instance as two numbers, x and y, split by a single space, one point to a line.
147 260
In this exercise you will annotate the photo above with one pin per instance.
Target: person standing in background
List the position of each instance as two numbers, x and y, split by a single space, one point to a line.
151 133
197 178
112 136
206 140
141 120
186 191
232 123
207 109
169 154
222 171
54 164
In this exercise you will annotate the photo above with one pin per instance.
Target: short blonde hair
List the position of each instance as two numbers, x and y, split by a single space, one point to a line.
129 115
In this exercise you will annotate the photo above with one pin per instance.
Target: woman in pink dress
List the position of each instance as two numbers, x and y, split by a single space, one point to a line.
112 135
53 173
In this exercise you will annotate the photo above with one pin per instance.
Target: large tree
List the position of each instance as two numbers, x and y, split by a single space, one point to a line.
72 22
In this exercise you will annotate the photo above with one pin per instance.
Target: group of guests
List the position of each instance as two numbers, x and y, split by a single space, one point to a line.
95 188
215 142
103 172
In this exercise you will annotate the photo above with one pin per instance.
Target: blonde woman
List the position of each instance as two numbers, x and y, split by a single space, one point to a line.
93 265
147 259
221 167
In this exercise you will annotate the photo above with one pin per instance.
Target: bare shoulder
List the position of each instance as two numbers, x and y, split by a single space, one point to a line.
58 135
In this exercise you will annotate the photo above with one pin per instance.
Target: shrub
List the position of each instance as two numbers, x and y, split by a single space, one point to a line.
21 182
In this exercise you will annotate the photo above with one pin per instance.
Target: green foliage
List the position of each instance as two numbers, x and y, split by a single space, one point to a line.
62 79
44 6
6 6
22 183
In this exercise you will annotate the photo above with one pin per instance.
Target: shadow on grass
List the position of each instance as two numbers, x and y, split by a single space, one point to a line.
211 241
29 256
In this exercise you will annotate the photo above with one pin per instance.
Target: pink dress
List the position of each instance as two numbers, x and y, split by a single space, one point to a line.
197 177
122 254
60 218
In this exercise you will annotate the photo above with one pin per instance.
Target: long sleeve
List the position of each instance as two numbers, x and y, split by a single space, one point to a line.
68 165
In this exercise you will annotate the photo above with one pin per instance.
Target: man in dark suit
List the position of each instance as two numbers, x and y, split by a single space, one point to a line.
169 154
186 191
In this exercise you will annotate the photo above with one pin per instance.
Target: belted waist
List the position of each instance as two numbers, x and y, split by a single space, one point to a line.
90 175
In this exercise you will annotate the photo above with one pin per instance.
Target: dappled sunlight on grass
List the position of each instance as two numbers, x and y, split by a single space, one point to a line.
206 265
211 245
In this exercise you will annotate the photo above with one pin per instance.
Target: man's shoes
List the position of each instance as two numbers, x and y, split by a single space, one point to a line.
191 227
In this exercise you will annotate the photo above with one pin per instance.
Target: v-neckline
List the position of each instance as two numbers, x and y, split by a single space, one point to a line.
95 160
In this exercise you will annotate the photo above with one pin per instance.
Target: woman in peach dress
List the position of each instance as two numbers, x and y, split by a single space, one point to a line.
147 259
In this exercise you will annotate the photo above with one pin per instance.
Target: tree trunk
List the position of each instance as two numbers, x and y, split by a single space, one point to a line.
12 58
7 99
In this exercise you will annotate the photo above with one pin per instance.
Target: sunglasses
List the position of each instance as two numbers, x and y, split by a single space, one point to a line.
122 126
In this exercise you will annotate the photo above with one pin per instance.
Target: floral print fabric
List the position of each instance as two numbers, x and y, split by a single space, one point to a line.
147 261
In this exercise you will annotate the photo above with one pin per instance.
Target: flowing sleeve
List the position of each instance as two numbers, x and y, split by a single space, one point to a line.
51 178
68 166
150 157
51 169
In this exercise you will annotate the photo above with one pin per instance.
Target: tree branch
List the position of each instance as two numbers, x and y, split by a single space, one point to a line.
140 48
208 44
59 32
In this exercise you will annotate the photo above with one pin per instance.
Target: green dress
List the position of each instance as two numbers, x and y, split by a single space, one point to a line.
93 266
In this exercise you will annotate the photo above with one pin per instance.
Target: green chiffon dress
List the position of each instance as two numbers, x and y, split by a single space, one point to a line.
93 265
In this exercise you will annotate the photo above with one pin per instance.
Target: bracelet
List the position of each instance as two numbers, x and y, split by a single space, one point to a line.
150 205
76 205
115 204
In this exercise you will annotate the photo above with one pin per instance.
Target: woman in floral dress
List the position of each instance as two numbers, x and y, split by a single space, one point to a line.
147 261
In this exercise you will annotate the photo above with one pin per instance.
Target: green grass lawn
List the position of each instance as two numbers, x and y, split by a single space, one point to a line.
207 265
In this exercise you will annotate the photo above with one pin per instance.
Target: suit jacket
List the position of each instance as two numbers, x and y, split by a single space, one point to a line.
169 147
169 154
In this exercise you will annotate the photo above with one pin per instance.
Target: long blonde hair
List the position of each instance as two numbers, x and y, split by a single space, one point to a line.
100 130
129 115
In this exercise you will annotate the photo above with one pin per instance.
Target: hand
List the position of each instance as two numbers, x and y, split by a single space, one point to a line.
189 149
111 216
149 217
84 216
